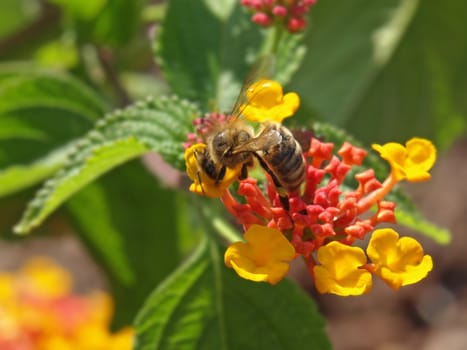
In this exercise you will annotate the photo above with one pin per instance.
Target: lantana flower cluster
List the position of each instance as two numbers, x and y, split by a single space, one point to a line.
290 13
38 311
323 221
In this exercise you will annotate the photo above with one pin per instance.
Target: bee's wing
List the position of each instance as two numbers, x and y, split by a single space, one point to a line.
267 139
262 69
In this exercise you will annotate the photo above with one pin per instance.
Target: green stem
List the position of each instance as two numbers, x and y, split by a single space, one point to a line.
277 35
273 39
225 230
218 223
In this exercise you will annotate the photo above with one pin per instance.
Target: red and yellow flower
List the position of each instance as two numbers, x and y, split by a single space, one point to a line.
39 312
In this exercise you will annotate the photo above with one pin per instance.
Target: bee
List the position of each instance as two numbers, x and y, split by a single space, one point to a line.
234 143
279 154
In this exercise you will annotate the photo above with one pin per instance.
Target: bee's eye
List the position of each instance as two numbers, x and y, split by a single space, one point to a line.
219 142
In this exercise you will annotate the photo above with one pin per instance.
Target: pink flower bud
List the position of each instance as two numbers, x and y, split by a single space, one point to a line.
279 11
261 18
299 10
296 24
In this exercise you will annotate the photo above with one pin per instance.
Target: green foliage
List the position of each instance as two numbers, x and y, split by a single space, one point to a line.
100 21
137 247
207 58
399 63
40 112
158 125
14 14
216 310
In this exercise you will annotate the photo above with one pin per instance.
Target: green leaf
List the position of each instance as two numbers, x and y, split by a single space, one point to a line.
387 73
137 247
112 23
18 177
81 9
205 49
40 112
428 97
23 86
15 14
158 125
406 213
218 310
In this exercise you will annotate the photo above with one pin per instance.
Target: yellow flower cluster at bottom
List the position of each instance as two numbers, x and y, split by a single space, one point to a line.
343 269
397 261
38 311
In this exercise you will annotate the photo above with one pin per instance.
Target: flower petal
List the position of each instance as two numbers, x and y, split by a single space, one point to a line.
421 156
264 257
340 272
398 261
412 162
266 102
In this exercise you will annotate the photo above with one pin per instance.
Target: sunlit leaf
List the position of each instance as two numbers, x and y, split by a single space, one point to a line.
41 111
158 125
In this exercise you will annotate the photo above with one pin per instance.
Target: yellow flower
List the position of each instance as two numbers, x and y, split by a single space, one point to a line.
264 257
411 162
266 102
202 183
44 277
398 261
340 272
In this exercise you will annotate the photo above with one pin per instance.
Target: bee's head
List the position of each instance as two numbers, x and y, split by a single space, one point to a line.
225 141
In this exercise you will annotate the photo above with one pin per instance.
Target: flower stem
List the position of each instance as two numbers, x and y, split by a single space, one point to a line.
273 40
278 30
367 202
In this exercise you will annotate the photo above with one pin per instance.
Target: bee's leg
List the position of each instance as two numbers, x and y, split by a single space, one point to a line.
198 172
244 172
283 196
220 175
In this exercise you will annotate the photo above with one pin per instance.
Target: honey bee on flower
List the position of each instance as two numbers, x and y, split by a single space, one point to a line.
229 146
305 208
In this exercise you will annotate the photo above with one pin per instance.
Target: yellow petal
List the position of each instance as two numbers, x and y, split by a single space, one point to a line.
264 257
44 277
202 183
266 102
421 156
340 272
398 261
395 154
412 162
